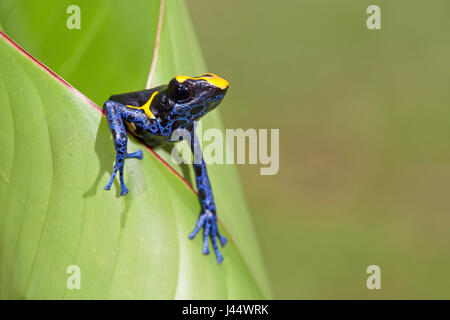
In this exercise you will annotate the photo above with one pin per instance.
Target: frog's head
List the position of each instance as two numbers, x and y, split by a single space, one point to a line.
193 97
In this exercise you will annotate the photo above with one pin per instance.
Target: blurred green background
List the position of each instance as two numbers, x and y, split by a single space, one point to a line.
364 119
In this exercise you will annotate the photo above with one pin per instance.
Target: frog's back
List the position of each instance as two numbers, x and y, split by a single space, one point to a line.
135 98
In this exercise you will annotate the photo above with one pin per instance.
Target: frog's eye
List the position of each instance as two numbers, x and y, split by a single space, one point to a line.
179 90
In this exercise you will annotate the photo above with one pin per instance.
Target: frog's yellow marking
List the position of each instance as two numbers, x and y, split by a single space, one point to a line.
146 106
212 78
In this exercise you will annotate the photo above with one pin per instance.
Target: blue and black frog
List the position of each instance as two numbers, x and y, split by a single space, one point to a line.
154 115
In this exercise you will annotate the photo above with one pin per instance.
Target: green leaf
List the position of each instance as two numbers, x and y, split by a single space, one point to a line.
58 154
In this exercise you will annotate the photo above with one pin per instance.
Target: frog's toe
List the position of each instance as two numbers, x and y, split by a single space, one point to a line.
223 240
123 189
205 238
219 256
111 180
137 155
198 226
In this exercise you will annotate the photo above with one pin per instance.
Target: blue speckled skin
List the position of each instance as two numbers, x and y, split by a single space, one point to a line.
175 107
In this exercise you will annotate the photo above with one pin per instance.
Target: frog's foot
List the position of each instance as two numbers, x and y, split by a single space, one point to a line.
120 161
136 155
208 221
123 187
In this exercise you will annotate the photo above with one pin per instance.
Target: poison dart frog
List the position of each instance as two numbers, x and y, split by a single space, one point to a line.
154 115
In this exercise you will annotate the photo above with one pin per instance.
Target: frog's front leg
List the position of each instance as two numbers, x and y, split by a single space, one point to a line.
115 113
208 217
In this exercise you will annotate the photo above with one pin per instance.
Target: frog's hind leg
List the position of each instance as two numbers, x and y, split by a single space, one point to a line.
114 115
